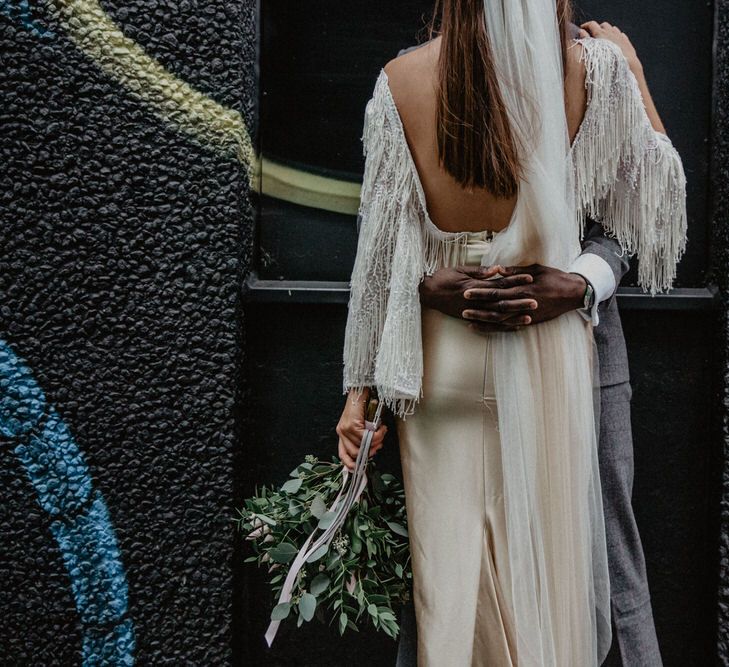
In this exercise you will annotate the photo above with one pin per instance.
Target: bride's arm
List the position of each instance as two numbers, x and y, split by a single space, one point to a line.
614 34
628 174
370 279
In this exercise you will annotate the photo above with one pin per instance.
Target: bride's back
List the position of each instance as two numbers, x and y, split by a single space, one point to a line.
413 81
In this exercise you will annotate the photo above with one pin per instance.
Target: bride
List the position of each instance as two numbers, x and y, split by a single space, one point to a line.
488 146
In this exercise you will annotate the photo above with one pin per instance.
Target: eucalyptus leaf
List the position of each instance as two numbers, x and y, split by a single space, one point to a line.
316 555
318 506
283 552
371 548
342 623
397 528
333 560
293 485
280 611
319 584
326 520
307 606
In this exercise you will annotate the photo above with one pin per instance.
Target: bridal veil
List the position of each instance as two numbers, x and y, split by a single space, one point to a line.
544 374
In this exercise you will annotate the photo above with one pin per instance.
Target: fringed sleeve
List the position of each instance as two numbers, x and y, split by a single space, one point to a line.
628 175
386 270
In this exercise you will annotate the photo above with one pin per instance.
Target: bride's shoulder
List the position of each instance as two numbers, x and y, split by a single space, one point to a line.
412 56
592 64
595 56
409 73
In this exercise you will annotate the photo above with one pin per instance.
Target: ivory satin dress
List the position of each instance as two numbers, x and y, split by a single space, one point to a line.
451 462
440 379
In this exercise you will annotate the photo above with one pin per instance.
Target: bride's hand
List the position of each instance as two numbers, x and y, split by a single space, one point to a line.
608 31
351 429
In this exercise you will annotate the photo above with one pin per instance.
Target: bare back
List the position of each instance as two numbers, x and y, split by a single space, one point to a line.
413 79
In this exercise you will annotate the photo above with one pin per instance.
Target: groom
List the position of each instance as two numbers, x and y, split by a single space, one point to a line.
589 286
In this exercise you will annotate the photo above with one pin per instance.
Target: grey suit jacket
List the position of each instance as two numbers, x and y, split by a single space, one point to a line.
609 337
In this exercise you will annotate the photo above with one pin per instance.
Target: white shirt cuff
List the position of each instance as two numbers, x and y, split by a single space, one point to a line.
599 274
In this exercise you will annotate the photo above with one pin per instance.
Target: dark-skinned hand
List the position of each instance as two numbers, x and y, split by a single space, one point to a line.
522 295
444 290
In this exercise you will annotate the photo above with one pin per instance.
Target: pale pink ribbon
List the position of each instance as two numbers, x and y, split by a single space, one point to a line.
349 494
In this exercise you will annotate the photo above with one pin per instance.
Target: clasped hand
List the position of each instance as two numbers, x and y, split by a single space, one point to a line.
492 298
498 298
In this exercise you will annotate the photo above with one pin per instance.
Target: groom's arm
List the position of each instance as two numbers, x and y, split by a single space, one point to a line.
602 263
503 304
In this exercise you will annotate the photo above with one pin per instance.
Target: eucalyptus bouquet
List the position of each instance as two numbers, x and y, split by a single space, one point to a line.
362 575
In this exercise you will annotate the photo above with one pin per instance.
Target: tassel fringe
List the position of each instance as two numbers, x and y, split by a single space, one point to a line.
382 343
628 176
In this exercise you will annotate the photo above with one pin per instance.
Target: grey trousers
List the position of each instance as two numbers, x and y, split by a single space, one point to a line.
634 635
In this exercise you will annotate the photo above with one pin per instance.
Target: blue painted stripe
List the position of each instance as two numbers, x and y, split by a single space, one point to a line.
80 520
20 11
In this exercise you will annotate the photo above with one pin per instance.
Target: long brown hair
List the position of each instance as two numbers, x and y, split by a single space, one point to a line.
475 142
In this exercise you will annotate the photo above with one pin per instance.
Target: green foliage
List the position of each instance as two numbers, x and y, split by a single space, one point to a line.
362 576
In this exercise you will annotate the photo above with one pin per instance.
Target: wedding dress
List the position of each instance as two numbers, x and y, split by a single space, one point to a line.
497 432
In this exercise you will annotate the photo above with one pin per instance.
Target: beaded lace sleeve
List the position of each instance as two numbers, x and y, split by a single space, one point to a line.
382 344
629 176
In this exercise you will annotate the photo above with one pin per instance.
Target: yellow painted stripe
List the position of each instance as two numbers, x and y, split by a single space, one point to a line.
301 187
192 112
93 31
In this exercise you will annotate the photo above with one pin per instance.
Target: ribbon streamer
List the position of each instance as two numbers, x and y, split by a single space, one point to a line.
349 494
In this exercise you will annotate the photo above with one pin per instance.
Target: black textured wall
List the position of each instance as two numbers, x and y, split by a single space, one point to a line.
721 273
125 236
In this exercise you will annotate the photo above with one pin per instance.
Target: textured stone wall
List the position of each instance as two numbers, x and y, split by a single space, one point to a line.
720 169
124 237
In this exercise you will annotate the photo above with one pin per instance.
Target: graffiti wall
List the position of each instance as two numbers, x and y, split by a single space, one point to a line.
124 240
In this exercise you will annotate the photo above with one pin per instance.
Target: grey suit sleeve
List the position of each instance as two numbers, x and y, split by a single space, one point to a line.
597 243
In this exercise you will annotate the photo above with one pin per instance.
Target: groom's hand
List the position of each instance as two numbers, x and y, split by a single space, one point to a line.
444 291
555 292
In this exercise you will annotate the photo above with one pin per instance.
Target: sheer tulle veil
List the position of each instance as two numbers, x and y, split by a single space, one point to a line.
544 375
